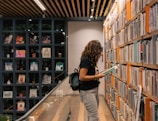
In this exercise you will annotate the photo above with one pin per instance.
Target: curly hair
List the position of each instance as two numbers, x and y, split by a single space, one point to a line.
93 51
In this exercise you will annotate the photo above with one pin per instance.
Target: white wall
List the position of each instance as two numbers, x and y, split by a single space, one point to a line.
79 34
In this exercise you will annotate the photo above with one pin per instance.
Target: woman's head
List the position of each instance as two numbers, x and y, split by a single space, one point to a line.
93 50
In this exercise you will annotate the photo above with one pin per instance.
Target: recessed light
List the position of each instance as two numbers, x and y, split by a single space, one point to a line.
92 9
91 16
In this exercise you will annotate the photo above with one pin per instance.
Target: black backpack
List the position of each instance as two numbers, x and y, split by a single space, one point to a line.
74 80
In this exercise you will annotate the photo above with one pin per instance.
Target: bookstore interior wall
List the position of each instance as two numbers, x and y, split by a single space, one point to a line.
77 41
131 41
33 60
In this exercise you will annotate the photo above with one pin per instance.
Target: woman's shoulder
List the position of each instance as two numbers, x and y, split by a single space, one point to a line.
85 61
85 58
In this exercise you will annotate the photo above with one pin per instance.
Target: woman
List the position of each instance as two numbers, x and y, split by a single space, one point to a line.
89 78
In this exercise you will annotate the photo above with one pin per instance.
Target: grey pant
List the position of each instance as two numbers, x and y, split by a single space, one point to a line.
91 102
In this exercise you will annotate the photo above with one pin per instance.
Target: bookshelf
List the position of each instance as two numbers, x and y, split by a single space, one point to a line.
131 40
33 53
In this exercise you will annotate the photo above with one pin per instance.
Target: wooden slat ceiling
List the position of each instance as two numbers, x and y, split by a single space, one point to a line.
55 8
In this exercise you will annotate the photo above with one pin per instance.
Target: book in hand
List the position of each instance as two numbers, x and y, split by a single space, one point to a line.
110 69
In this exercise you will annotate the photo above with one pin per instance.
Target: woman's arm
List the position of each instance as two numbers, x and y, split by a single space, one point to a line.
84 77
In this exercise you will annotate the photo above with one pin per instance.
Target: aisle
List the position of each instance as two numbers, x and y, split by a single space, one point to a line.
68 108
104 112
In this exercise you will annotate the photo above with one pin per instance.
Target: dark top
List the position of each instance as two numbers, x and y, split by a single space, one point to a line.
86 85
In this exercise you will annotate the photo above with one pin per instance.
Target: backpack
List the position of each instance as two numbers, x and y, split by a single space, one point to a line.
74 80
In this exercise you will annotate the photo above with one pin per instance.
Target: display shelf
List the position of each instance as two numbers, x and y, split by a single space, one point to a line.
30 50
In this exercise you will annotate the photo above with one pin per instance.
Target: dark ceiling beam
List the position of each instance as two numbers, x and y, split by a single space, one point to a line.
34 6
11 8
64 7
33 11
74 8
83 8
27 11
69 8
78 8
48 8
55 8
59 8
88 8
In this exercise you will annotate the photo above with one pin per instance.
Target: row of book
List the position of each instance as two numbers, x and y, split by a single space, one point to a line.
126 109
150 82
125 35
21 79
133 7
143 51
134 76
144 23
20 39
123 111
33 52
8 105
32 94
34 66
21 53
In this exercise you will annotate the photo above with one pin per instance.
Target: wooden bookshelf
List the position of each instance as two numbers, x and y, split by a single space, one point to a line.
136 53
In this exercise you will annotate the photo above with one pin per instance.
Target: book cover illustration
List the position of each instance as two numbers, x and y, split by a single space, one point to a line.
46 52
59 66
20 106
46 79
33 38
34 66
21 78
20 39
46 39
7 94
8 39
20 53
33 92
8 66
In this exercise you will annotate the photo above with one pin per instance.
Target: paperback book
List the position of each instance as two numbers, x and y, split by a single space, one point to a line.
110 69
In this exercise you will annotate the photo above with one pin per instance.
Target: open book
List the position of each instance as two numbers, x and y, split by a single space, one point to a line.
110 69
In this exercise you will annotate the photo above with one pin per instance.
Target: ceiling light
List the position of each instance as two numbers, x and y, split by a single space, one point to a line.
40 5
91 16
92 9
89 19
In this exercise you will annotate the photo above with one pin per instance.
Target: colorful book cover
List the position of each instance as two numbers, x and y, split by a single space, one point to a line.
20 53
